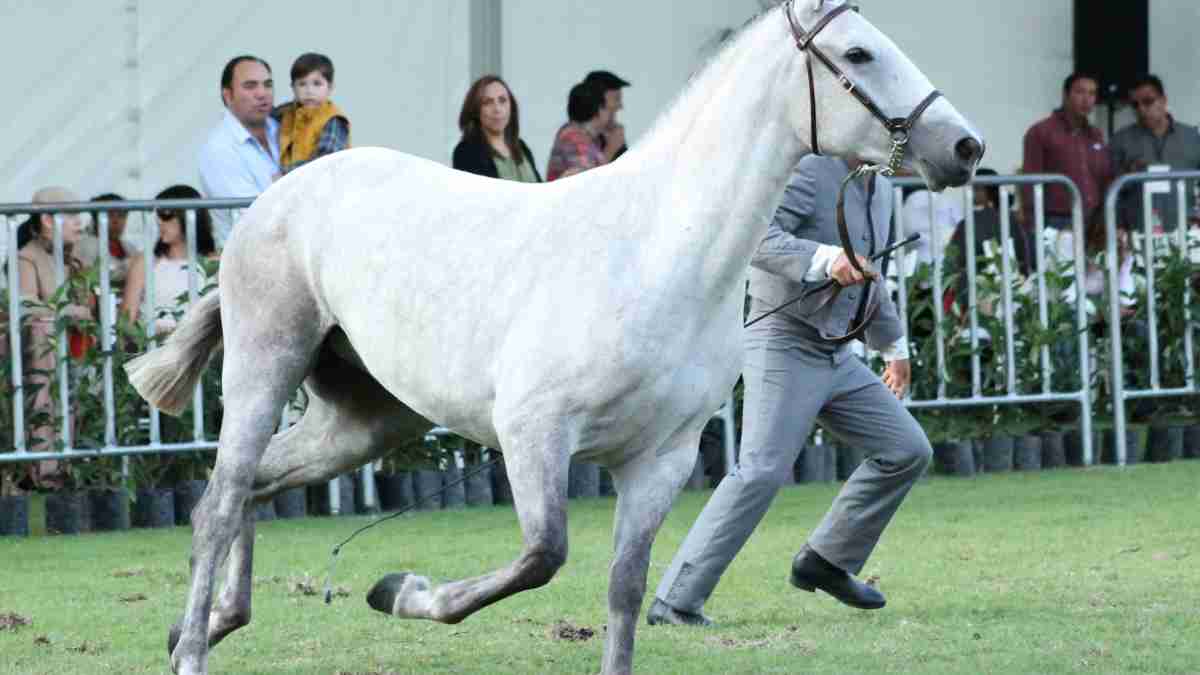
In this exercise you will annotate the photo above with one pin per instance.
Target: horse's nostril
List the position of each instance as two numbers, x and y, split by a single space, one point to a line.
968 149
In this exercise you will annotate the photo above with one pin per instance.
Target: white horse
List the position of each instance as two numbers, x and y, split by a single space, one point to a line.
597 317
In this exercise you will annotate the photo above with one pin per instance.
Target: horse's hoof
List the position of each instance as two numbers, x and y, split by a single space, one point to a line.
382 596
173 638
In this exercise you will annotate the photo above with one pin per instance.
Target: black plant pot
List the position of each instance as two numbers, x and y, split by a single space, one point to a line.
154 507
320 495
187 496
1191 442
956 458
1108 448
501 488
998 454
479 486
289 503
1054 452
1073 447
583 480
1164 444
809 465
829 465
427 484
264 511
395 490
848 459
607 489
109 510
455 496
1027 453
14 516
66 512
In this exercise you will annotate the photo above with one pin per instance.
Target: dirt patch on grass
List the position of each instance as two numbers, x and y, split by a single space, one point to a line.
565 630
132 572
86 647
131 597
13 621
306 585
789 639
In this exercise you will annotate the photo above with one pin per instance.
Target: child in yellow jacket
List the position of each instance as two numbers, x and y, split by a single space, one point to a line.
310 126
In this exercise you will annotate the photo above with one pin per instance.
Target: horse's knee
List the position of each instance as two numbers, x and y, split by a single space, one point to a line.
543 562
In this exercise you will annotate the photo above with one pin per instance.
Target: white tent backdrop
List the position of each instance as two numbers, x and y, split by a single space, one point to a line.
117 95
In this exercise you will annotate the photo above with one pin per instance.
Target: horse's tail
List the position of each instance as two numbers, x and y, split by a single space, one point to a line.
167 375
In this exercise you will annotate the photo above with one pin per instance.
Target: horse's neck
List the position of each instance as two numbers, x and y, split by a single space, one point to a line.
725 151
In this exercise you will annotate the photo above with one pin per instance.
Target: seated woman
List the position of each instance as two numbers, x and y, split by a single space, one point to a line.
36 265
170 265
491 144
577 145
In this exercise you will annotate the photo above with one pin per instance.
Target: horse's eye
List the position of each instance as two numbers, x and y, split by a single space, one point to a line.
859 56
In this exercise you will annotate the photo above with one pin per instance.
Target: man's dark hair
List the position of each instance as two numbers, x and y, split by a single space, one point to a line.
993 191
227 74
606 79
584 102
310 63
1149 80
1075 77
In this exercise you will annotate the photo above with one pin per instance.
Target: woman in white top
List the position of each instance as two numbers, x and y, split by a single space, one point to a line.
170 264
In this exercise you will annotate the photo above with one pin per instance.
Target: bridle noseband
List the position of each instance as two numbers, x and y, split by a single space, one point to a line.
897 127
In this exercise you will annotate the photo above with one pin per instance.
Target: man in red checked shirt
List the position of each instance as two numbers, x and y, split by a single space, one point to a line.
1067 143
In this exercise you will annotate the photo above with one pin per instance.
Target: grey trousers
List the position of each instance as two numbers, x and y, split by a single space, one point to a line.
792 379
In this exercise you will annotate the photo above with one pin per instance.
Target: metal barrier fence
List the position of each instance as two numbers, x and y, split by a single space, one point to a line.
1178 187
1011 396
111 447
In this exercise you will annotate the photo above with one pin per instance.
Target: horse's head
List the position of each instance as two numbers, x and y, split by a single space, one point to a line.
860 83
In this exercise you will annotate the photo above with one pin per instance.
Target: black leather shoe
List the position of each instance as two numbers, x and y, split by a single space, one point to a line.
662 613
810 572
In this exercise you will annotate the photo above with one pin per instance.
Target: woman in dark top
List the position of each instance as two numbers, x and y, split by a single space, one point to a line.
491 142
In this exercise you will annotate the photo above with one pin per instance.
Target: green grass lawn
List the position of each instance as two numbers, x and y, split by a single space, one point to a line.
1059 571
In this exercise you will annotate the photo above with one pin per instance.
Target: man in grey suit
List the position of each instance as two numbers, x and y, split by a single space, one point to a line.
799 369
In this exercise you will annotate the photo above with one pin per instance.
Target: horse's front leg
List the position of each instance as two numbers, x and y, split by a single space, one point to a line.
646 488
537 470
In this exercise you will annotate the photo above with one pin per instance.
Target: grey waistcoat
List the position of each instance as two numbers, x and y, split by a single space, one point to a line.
806 218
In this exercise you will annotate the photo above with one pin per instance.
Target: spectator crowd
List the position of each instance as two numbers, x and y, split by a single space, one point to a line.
256 142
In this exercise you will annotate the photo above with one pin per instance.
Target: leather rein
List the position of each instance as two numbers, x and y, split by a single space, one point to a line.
899 129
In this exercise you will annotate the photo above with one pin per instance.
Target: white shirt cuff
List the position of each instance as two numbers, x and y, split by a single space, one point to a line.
822 262
898 351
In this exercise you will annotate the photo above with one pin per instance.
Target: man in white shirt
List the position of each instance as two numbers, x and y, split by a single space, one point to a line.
241 156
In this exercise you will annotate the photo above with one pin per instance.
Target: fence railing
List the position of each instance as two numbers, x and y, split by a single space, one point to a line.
1177 184
1011 395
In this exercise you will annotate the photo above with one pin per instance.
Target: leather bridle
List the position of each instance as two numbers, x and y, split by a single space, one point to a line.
899 129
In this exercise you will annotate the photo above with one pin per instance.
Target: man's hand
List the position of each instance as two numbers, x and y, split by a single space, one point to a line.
844 273
897 376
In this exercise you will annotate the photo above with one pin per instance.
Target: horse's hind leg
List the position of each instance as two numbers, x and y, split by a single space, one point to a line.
646 487
350 420
263 365
538 473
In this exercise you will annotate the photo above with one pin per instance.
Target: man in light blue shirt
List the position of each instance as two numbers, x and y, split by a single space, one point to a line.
241 156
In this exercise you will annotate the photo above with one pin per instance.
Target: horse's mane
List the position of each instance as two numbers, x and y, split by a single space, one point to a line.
723 47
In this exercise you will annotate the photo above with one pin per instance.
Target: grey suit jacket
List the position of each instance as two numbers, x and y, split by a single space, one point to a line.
806 218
